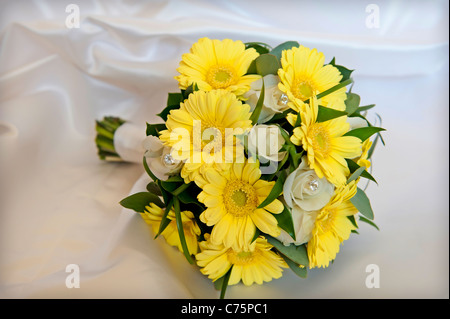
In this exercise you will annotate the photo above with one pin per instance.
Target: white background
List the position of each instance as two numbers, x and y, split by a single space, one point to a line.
59 203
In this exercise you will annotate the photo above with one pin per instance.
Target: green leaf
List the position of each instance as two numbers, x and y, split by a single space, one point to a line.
153 188
165 194
325 114
256 235
352 103
374 145
299 271
164 220
346 73
175 178
260 47
352 166
284 46
333 89
257 111
356 174
353 220
285 222
148 170
362 204
176 206
275 192
252 68
361 109
363 133
267 64
138 201
295 253
226 278
190 89
173 103
170 186
371 223
154 129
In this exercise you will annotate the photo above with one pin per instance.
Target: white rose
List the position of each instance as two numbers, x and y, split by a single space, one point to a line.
356 122
303 225
305 189
275 101
266 141
305 193
159 160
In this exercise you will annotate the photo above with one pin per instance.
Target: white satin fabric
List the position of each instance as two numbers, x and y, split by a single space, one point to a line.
59 203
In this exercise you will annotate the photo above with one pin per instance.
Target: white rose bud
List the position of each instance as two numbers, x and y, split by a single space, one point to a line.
305 189
159 160
305 193
275 101
356 122
303 225
266 141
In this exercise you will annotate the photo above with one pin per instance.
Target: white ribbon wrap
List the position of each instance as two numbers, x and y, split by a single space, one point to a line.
128 142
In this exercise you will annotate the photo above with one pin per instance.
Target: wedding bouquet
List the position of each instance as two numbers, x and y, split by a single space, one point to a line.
256 163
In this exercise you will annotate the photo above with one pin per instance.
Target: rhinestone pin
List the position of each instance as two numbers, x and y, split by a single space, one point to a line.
283 99
313 185
168 159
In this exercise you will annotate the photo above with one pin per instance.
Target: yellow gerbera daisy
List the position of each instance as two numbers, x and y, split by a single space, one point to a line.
232 198
203 131
362 160
303 75
332 227
257 265
325 144
153 215
215 64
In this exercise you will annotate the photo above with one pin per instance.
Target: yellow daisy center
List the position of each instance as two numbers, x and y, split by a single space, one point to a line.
320 138
327 221
240 198
303 89
241 258
211 138
220 76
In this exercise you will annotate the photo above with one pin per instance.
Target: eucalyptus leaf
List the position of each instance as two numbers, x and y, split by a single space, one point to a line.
352 103
362 204
267 64
352 166
361 109
138 201
299 271
297 254
356 174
